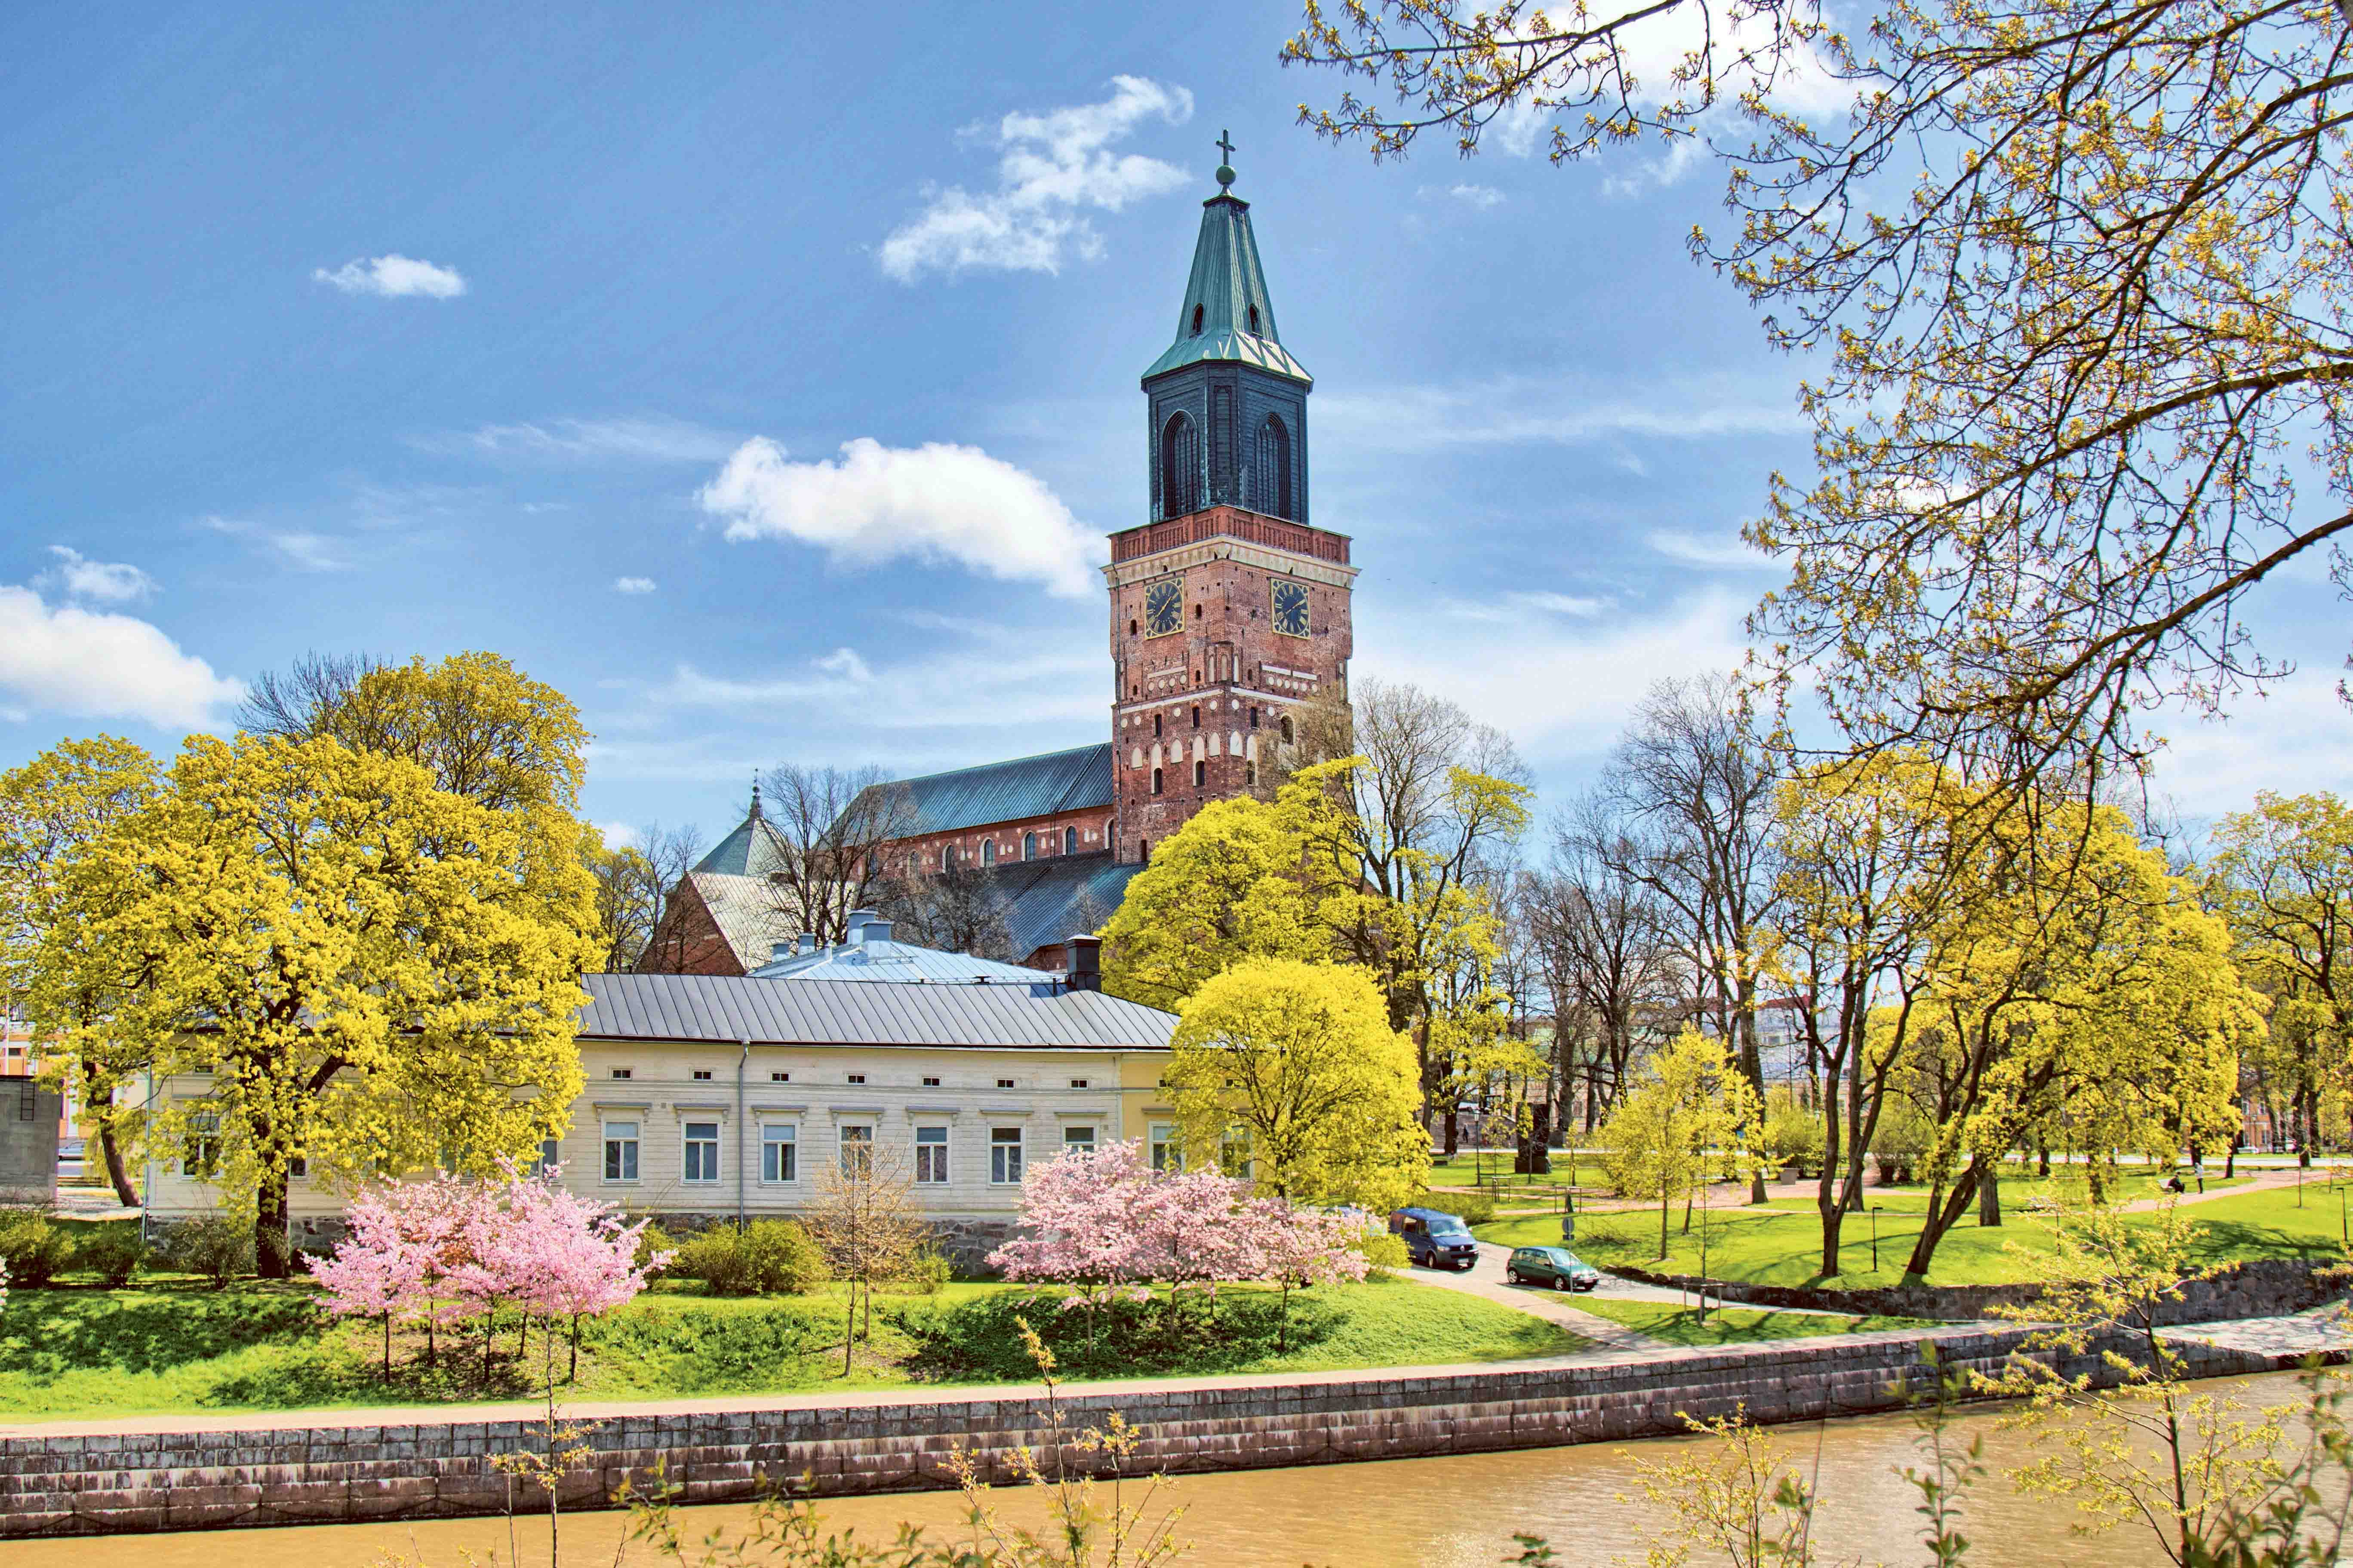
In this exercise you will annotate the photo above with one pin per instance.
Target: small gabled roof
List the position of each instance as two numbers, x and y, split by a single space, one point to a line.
871 957
730 1008
1075 780
750 917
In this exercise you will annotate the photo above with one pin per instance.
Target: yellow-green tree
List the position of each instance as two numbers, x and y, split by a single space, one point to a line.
371 971
2072 973
1298 1061
51 811
2282 875
1235 882
1691 1106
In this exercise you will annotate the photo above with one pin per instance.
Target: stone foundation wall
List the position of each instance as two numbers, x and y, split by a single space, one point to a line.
121 1482
2267 1288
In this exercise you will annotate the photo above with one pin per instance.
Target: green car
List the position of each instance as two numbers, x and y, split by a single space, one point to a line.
1554 1265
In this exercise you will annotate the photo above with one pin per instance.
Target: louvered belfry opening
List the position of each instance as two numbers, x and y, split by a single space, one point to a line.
1270 469
1180 467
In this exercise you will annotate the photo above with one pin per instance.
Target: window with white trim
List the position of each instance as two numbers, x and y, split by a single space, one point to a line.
931 1156
620 1150
200 1151
779 1151
1079 1140
702 1152
1004 1156
1166 1155
858 1151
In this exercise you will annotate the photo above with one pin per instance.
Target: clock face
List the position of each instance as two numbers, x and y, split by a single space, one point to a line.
1164 607
1291 609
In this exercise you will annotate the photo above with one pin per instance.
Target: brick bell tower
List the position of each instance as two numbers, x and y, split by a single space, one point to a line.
1227 609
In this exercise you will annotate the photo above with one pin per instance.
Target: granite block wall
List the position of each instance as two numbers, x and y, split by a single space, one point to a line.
121 1482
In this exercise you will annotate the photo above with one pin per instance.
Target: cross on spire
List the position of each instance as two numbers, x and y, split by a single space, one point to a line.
1225 145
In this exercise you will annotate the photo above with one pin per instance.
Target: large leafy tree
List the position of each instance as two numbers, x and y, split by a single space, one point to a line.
2080 272
52 810
1235 882
372 972
1692 1102
1297 1063
2282 875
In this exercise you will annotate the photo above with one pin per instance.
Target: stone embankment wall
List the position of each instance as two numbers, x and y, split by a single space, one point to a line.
2264 1289
134 1481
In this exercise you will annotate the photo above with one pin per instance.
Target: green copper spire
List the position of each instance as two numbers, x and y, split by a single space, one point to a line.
1228 316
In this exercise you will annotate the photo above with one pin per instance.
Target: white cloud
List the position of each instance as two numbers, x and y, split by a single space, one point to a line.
644 440
1517 606
394 277
297 548
2296 738
100 665
1519 410
111 582
616 835
1719 554
633 584
845 663
1054 167
934 502
1561 689
1480 196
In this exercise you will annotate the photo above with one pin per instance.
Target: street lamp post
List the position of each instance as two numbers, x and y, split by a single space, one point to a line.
1874 1238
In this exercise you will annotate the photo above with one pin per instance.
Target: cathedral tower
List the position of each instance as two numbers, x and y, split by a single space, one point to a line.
1227 609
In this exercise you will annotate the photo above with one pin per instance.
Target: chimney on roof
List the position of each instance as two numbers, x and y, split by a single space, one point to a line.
856 924
779 950
804 943
1082 962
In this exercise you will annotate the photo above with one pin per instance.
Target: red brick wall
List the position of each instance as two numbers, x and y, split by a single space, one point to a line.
924 850
689 942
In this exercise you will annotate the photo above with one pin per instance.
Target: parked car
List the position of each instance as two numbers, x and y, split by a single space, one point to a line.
1435 1239
1554 1265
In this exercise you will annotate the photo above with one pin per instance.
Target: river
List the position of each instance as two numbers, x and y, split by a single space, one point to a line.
1450 1513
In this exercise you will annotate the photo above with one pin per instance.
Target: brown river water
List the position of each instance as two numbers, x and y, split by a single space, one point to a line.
1452 1513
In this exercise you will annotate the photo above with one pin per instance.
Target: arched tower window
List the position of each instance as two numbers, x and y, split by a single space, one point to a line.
1270 469
988 851
1180 467
1029 847
1197 312
1070 841
1253 320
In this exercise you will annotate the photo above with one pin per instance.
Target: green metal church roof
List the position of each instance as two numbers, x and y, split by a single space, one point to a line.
1227 282
1077 780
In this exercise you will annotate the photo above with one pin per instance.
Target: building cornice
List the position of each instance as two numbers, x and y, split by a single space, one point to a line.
1266 558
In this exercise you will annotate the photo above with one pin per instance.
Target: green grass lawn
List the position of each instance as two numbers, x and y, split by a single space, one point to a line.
1675 1325
1783 1247
175 1346
1463 1171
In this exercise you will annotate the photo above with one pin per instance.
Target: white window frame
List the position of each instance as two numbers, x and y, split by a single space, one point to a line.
1084 1135
1162 1148
1002 1172
634 1139
933 1142
854 1135
687 1145
776 1135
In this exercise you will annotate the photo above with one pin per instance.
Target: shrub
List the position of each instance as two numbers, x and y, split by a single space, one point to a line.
655 1239
1384 1253
113 1253
214 1246
33 1246
1474 1208
769 1257
927 1270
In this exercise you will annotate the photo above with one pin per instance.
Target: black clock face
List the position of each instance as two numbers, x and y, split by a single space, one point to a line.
1291 609
1164 607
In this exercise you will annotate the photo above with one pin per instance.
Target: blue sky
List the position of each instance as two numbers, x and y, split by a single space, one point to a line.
766 378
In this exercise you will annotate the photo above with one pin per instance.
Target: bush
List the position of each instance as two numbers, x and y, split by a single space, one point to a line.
926 1272
35 1248
653 1239
113 1253
769 1257
1474 1208
1384 1252
214 1246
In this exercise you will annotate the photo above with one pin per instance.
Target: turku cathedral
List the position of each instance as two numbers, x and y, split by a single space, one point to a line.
1227 609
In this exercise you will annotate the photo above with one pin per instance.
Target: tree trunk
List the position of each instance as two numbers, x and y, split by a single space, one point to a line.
272 1254
2042 1166
1990 1197
1454 1133
118 1175
1944 1210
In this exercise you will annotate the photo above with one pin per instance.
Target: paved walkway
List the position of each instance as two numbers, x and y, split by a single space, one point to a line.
1485 1280
2321 1329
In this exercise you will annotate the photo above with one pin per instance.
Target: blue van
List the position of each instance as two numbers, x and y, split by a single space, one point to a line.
1435 1239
